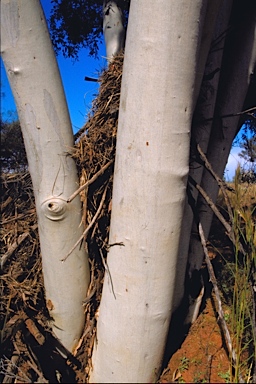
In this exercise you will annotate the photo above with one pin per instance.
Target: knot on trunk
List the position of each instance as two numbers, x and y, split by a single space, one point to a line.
54 208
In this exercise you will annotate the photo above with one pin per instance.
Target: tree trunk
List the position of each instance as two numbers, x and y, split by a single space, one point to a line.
35 80
207 24
151 168
234 82
113 28
201 130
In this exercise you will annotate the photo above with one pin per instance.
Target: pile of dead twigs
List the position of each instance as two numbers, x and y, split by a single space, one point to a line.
94 154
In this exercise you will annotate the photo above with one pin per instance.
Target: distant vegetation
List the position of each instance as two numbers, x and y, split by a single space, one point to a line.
13 156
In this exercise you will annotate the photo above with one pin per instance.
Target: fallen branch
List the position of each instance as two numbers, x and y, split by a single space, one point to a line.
218 299
11 371
222 185
104 262
89 226
89 297
89 181
5 203
217 212
19 217
221 218
15 245
34 331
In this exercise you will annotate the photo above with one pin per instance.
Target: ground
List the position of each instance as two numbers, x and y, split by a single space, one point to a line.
202 357
30 352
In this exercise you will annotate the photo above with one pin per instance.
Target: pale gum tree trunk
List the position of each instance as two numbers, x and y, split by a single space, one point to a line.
208 21
113 28
151 169
201 132
35 80
237 67
207 24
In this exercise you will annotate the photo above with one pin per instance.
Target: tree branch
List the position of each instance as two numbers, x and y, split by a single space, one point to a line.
221 218
247 111
89 226
223 186
92 179
218 299
15 245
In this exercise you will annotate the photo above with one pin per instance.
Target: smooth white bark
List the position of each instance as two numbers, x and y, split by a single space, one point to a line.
202 130
150 178
113 28
35 80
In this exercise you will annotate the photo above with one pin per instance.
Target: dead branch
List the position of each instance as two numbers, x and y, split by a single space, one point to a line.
222 185
92 179
93 79
246 112
34 331
108 272
215 210
89 297
9 368
218 299
89 226
19 217
15 245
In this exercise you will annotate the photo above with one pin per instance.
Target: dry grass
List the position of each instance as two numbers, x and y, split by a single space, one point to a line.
238 276
247 195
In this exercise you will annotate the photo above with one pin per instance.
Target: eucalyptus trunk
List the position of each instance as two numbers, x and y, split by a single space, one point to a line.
201 131
34 76
237 67
151 168
113 29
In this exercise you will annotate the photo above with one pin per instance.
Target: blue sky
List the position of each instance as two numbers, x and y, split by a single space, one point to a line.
80 93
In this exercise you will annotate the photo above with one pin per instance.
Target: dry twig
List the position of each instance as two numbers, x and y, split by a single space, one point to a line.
211 204
92 179
223 186
246 112
89 226
218 299
15 245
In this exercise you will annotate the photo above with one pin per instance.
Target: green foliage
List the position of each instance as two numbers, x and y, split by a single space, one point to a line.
77 24
249 149
225 376
184 364
13 155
